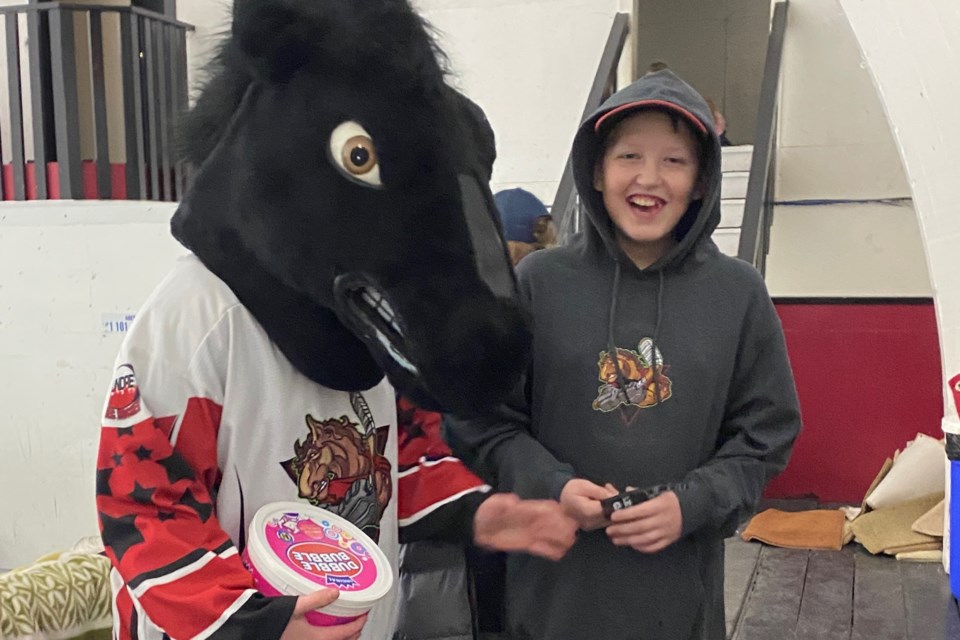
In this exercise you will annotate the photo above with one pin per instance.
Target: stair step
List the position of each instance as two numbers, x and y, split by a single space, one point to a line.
737 158
731 213
734 184
728 240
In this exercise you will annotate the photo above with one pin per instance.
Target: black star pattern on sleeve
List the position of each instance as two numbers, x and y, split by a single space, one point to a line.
124 431
203 509
117 459
177 468
143 453
103 482
163 516
120 533
141 494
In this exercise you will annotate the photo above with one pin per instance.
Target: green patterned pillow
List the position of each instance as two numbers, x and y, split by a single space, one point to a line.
65 598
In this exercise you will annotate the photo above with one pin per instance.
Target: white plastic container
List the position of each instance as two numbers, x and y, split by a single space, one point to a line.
295 549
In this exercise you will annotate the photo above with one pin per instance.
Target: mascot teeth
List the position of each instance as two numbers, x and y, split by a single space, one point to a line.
395 354
379 304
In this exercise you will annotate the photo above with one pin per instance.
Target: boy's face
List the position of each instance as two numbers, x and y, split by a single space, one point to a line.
648 176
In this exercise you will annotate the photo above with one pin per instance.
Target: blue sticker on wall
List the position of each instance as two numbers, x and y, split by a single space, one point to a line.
116 322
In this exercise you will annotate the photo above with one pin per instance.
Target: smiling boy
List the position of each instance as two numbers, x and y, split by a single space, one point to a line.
657 361
648 177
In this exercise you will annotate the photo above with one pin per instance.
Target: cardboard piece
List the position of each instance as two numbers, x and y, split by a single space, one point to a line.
931 523
913 548
935 555
890 527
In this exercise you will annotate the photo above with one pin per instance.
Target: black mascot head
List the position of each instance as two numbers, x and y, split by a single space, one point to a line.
340 189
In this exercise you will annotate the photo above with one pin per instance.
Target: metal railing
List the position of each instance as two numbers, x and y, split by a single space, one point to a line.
758 208
566 208
107 86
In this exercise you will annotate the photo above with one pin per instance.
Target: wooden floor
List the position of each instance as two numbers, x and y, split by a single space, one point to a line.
787 594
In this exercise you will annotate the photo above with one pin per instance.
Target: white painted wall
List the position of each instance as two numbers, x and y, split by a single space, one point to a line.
529 64
65 269
835 143
851 250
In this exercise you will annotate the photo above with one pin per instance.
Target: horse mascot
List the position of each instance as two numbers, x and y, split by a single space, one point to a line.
343 247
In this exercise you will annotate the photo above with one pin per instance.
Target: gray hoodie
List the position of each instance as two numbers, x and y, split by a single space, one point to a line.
703 398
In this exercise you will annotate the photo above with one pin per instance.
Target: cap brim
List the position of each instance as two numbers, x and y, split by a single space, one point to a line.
694 120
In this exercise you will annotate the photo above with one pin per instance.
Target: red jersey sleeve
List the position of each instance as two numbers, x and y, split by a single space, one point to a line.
176 572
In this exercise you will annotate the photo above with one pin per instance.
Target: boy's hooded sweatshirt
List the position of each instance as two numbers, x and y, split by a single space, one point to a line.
704 398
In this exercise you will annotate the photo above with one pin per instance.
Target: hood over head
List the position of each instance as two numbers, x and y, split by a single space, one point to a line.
340 188
665 91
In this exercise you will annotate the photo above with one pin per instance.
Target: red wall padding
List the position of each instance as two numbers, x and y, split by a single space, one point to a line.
869 379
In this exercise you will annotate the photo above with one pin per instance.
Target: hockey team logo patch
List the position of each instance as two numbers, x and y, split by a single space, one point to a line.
124 399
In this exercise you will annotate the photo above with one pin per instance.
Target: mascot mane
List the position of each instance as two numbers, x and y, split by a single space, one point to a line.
341 190
229 73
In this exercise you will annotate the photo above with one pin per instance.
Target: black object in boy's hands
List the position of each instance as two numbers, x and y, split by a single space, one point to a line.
630 498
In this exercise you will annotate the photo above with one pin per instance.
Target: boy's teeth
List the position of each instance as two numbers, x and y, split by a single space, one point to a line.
643 202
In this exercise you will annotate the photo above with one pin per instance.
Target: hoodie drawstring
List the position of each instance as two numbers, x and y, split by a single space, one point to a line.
611 343
656 337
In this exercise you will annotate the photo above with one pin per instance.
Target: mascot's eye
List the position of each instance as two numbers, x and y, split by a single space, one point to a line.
358 155
354 153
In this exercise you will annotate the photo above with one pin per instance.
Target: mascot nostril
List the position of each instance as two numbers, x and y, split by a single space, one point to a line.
341 191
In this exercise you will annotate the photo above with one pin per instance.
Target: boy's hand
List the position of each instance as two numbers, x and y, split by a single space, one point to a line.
299 629
650 526
581 500
539 527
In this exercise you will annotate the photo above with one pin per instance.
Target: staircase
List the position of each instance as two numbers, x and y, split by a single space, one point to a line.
736 173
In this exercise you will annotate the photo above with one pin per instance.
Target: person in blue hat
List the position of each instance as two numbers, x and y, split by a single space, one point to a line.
527 225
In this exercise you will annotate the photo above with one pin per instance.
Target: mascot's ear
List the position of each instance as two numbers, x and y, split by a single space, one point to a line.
278 37
483 138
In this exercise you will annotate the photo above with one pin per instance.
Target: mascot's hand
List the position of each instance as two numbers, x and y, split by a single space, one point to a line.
539 527
299 629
